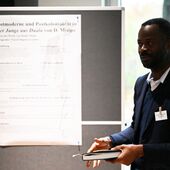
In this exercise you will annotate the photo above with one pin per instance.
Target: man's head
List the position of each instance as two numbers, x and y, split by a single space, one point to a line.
154 43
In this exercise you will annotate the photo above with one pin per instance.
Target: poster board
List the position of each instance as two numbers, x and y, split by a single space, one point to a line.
40 73
101 66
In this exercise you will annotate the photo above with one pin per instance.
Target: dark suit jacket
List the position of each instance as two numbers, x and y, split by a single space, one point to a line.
156 134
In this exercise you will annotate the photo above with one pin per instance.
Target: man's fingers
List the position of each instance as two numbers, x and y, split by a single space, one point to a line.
88 164
96 163
93 164
92 148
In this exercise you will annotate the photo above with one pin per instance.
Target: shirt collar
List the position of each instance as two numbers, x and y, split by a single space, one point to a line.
154 84
162 78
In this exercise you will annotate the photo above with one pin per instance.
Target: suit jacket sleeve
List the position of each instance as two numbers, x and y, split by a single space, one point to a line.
123 137
127 136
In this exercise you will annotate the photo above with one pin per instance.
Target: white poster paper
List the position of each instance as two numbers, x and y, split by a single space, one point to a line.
40 80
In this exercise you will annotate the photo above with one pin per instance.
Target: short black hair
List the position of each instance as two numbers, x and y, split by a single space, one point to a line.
163 24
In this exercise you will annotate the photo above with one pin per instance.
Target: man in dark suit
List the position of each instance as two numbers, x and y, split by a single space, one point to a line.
146 143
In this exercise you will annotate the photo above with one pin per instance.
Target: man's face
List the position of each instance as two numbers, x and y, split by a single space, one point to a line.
151 46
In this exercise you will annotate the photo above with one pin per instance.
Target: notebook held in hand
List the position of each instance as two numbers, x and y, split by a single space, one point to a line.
101 155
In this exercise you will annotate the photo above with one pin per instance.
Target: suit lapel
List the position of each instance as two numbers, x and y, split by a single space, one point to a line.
149 120
139 104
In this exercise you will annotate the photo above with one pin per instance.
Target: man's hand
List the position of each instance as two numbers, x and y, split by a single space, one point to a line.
98 144
129 154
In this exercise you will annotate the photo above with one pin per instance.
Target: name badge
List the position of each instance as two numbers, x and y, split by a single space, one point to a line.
161 115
